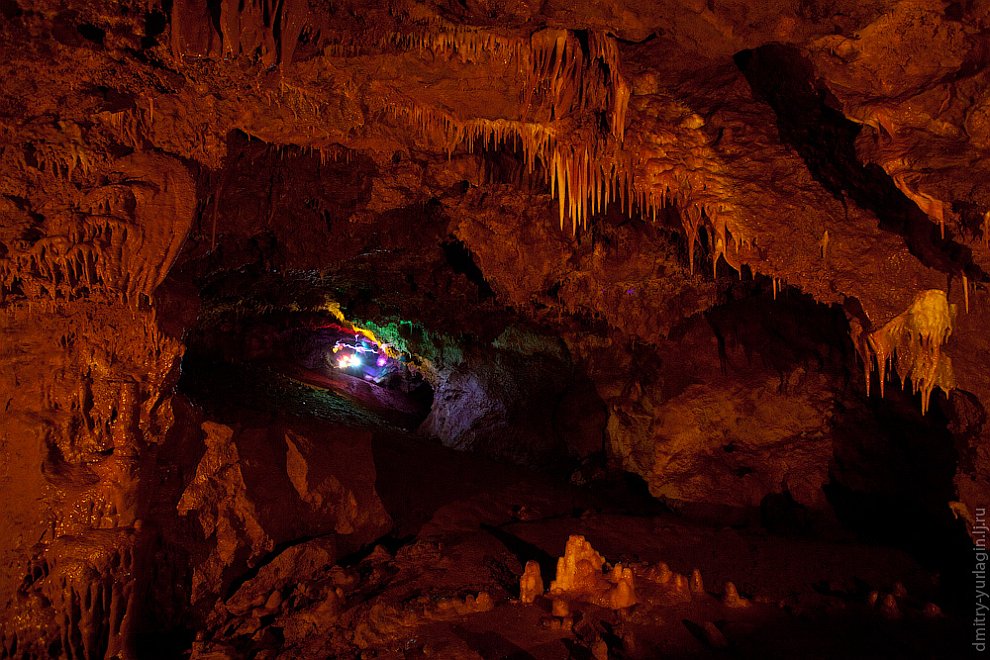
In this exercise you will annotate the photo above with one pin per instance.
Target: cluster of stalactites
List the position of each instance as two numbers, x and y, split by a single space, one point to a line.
585 168
585 187
583 183
268 30
911 344
725 238
57 266
83 592
551 62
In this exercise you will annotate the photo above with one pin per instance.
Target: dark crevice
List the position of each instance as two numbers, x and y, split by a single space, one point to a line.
462 261
93 33
808 120
523 550
155 23
891 476
9 9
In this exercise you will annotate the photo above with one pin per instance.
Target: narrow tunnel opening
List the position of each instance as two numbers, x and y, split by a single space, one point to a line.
304 363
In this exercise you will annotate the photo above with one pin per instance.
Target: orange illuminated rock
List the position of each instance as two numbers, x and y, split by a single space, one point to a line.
732 597
531 583
255 489
580 576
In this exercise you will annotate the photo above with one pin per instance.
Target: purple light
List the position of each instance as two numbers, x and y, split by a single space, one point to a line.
382 360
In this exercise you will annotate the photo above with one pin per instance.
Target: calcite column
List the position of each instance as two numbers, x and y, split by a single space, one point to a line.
85 386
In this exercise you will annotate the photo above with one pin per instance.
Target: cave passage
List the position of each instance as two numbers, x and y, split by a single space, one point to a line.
287 377
312 363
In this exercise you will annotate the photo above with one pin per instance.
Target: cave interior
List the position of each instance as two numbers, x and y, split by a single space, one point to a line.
494 328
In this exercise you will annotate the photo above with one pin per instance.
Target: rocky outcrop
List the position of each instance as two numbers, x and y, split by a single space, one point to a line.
732 445
87 378
518 402
258 490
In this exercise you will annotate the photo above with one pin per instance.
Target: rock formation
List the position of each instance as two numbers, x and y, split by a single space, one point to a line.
733 253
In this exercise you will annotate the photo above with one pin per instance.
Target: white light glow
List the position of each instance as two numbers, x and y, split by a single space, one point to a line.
348 361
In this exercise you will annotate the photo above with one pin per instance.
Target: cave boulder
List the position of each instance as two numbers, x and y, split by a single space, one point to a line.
731 443
260 489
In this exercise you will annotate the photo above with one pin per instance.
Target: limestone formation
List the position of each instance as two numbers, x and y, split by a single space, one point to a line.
581 575
684 251
531 583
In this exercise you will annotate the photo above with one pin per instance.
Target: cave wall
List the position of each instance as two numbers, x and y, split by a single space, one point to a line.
87 381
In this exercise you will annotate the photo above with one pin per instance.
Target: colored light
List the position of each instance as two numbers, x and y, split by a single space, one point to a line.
382 360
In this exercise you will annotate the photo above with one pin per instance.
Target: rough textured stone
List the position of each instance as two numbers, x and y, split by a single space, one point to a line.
256 490
616 174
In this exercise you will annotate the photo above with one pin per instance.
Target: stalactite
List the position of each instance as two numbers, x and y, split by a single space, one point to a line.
933 208
580 175
574 174
911 344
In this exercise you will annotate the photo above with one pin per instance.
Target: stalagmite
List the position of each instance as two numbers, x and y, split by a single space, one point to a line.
531 583
580 576
889 608
623 595
732 598
697 585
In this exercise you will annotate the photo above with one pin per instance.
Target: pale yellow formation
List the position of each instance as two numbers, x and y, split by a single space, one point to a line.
623 595
912 344
579 565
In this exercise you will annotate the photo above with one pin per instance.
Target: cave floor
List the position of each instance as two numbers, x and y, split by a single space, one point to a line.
445 581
